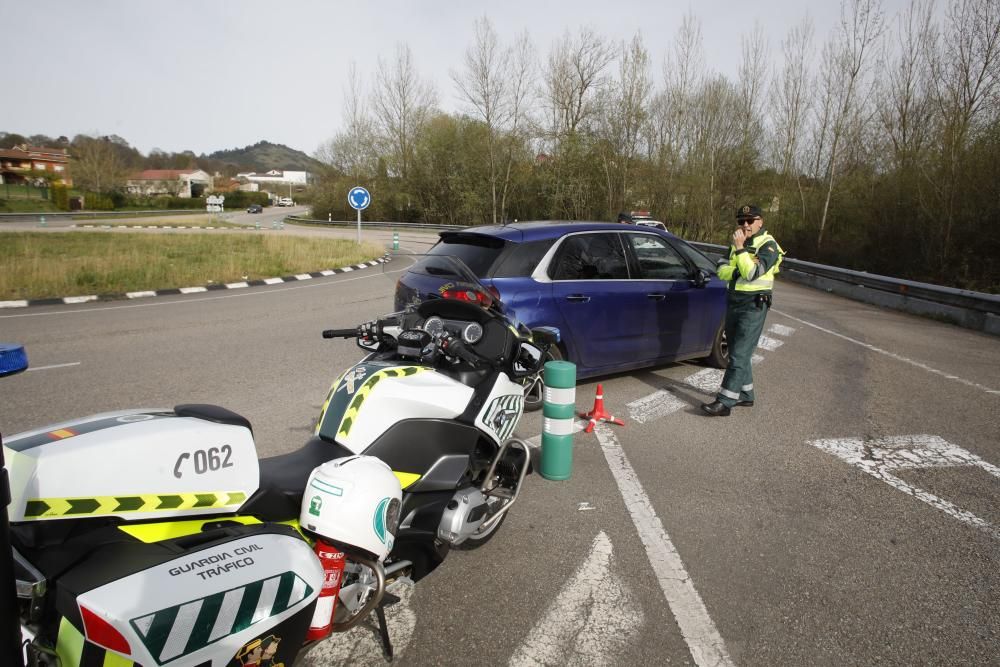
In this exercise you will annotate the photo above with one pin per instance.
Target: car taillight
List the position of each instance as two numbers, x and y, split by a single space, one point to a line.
470 296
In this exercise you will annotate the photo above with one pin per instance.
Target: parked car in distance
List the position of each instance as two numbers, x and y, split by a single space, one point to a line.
622 296
285 201
255 208
651 223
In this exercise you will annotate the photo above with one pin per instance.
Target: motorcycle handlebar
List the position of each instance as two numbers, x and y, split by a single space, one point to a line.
456 348
340 333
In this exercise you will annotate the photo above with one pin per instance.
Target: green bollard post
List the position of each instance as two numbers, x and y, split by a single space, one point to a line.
559 412
41 220
395 240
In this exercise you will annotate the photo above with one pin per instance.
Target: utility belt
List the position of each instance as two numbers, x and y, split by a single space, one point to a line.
761 300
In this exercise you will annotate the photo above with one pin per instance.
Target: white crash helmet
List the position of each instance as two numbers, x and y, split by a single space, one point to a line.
354 500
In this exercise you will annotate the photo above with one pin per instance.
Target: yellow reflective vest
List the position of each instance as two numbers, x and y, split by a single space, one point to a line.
751 275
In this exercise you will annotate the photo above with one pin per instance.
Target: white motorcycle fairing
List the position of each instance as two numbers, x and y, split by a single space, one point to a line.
388 392
135 465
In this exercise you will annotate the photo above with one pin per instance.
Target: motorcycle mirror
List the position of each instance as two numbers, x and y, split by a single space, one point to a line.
529 360
13 359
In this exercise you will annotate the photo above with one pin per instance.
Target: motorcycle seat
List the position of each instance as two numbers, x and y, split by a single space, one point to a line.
212 413
283 479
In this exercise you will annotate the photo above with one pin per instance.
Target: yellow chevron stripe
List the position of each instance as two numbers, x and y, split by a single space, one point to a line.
104 505
112 659
405 478
329 397
168 530
69 643
347 421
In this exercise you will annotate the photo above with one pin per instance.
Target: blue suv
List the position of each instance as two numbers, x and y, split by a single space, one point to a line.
622 296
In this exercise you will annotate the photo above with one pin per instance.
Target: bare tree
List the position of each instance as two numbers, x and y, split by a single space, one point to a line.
353 151
495 83
753 78
402 102
791 105
97 164
624 111
572 79
966 71
845 58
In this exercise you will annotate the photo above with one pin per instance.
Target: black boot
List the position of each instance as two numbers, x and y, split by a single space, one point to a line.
716 409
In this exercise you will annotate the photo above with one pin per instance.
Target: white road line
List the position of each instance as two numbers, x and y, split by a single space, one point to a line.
781 330
879 456
45 368
658 404
769 344
591 620
949 376
706 380
697 628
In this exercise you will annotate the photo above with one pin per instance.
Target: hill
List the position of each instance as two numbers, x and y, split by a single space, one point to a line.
264 155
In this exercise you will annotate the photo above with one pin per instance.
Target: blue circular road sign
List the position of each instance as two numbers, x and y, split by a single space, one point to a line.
359 198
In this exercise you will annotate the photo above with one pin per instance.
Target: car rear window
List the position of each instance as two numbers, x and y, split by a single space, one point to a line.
522 258
477 251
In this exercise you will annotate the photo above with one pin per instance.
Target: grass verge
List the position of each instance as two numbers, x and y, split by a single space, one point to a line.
37 265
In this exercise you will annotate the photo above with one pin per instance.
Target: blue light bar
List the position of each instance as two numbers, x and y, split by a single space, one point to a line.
13 359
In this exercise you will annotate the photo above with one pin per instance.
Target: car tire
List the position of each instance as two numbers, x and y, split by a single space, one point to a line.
719 357
534 394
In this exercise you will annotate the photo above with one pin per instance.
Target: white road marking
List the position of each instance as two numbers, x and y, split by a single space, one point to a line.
781 330
697 628
45 368
192 290
898 357
658 404
590 621
360 646
80 299
706 380
769 344
879 456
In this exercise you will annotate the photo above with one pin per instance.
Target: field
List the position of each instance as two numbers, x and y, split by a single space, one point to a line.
40 265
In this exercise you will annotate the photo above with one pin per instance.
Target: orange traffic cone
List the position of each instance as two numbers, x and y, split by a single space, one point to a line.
598 414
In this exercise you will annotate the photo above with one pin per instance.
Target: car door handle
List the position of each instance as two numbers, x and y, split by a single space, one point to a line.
656 296
578 298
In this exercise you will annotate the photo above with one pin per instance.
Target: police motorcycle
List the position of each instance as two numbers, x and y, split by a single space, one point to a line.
157 537
438 397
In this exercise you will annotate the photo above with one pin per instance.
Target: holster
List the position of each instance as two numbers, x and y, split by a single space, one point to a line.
760 300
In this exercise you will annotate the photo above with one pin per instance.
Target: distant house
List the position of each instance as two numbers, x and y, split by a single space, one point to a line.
177 182
276 177
24 163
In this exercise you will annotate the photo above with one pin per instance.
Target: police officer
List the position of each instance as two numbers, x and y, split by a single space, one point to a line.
754 258
624 218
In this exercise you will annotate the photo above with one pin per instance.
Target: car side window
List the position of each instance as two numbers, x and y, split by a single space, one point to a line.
590 257
696 257
657 259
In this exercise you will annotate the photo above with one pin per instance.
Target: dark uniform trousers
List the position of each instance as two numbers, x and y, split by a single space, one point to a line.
744 325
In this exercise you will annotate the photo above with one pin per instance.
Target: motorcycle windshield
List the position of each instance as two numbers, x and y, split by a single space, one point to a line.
451 277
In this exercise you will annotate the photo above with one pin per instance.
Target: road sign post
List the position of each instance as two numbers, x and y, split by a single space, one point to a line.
395 240
359 199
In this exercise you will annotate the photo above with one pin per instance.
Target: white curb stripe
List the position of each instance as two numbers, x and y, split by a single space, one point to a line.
79 299
303 276
697 628
237 285
193 290
898 357
327 272
140 295
273 281
14 304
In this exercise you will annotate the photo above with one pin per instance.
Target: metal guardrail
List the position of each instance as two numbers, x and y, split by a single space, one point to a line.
86 215
973 310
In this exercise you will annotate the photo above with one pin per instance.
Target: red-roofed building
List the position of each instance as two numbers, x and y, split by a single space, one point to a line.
24 163
177 182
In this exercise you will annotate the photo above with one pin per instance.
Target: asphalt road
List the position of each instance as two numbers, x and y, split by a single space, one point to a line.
851 517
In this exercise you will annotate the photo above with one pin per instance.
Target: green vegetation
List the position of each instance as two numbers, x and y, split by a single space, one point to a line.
39 265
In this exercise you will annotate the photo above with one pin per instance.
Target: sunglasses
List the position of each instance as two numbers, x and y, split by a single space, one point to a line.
747 221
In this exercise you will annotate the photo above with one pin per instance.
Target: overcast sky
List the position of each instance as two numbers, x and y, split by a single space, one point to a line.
206 75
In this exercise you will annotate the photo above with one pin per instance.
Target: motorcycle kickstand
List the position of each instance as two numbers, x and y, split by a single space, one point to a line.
383 632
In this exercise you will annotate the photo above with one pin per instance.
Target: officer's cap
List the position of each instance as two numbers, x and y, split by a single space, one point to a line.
748 211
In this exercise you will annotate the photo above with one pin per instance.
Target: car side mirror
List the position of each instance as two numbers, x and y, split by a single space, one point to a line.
700 278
